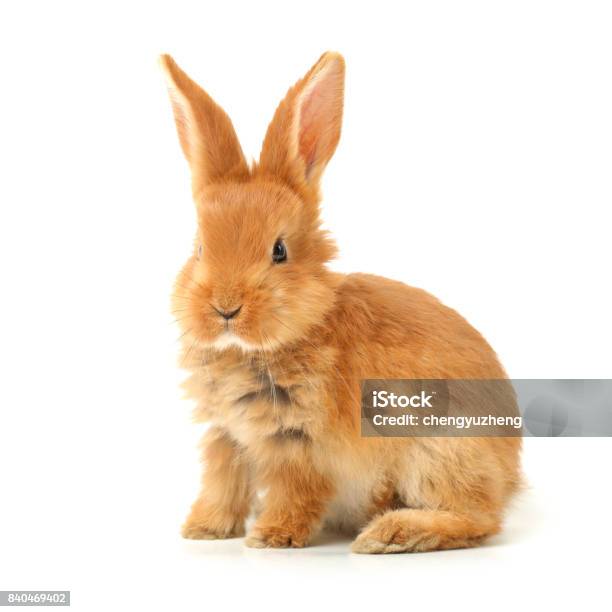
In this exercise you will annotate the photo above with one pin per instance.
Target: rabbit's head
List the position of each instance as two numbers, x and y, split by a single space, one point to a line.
257 278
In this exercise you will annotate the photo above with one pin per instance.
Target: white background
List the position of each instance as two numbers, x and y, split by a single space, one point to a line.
475 162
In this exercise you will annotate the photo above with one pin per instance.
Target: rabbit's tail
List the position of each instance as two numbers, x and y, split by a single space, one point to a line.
411 530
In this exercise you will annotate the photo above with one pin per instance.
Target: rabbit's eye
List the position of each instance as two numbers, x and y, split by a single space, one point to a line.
279 252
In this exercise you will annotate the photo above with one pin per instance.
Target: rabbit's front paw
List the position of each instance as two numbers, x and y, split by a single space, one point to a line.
202 525
277 537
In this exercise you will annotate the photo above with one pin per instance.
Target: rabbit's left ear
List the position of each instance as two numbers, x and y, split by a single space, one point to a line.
206 133
305 130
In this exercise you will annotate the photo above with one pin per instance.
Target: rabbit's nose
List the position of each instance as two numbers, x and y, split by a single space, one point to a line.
228 314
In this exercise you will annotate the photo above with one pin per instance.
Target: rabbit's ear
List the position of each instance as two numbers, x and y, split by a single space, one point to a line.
205 131
305 130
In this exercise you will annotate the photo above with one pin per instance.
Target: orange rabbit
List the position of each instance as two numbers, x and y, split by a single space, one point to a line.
277 344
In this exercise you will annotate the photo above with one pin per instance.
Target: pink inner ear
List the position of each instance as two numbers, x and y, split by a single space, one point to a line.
318 118
309 128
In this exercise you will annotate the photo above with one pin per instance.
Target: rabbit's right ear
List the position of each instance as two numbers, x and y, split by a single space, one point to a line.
305 130
206 133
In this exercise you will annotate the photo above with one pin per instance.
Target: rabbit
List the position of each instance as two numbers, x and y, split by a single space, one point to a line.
275 345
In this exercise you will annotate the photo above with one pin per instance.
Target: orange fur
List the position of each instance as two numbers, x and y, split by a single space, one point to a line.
280 382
